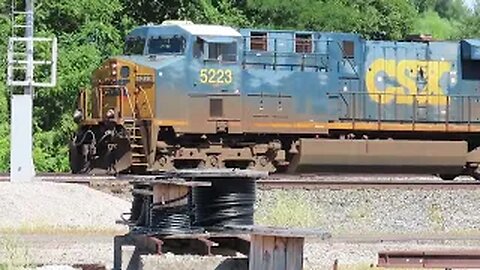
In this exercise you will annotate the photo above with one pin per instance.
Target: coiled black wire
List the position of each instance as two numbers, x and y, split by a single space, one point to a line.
171 219
226 202
136 209
140 205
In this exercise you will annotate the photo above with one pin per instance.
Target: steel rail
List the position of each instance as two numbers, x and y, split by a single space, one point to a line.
286 182
443 259
267 184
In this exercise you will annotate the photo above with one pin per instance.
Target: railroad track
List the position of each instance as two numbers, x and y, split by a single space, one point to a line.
279 181
368 184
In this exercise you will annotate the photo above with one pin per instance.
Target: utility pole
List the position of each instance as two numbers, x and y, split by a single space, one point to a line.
21 73
29 11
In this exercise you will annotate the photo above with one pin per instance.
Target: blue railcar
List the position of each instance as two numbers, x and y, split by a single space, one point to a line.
188 95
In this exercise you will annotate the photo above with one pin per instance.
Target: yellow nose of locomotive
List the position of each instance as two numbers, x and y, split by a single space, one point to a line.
113 91
107 73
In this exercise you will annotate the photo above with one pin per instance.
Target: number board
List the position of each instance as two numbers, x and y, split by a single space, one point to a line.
216 76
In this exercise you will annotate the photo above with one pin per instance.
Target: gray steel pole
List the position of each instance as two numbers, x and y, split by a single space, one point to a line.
22 168
29 8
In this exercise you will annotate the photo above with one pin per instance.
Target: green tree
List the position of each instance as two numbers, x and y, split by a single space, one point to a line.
451 9
391 19
430 22
424 5
470 26
200 11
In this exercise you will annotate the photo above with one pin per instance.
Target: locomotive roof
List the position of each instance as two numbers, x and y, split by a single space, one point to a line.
198 29
210 30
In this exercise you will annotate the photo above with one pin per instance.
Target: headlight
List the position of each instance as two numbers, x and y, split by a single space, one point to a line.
77 116
110 114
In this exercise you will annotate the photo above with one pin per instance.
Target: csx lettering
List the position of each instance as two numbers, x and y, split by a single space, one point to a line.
216 76
413 80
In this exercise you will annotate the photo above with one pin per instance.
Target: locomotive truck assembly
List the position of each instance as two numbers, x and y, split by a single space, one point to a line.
185 95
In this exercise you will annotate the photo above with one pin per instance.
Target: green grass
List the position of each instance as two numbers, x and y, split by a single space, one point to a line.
435 215
16 255
371 267
288 209
43 228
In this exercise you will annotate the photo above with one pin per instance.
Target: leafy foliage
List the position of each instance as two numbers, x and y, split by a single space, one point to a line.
430 22
91 30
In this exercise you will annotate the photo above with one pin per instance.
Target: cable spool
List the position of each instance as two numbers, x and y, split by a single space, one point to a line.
171 208
138 202
142 198
170 217
229 201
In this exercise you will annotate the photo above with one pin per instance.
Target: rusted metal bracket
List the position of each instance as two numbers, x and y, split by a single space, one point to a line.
447 259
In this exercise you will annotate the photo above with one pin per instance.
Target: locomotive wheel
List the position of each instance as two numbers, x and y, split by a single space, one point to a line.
78 163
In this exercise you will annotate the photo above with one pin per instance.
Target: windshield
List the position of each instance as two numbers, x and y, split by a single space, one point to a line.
166 45
134 45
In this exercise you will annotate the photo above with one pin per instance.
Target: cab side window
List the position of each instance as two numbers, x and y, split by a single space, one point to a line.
224 52
198 48
348 49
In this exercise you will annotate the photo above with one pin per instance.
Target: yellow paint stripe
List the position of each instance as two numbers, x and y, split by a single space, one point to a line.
90 121
371 126
296 125
374 126
170 122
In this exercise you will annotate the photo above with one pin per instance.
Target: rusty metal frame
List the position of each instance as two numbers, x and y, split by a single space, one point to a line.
444 259
199 244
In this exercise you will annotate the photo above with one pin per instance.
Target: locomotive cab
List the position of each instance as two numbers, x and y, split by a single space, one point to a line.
163 71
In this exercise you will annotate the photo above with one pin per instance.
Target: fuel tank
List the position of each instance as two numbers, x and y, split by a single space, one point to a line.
380 156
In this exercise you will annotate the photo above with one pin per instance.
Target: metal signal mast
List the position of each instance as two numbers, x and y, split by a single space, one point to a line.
22 73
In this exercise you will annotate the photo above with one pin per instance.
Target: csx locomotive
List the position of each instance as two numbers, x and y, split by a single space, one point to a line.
185 95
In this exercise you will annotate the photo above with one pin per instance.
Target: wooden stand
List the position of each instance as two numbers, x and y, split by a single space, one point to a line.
277 248
276 252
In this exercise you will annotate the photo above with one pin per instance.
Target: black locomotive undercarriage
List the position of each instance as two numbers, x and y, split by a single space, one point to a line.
104 148
109 147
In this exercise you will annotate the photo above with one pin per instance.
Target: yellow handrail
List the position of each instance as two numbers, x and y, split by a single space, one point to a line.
148 101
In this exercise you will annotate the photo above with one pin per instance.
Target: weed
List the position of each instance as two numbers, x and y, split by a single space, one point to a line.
435 215
289 209
16 255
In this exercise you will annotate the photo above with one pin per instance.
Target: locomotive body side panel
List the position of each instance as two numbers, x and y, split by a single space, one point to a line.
287 87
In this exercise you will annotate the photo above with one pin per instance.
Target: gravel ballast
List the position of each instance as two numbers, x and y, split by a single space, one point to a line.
51 207
372 210
47 208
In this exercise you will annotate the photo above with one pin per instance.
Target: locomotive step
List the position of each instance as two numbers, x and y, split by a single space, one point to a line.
136 146
139 164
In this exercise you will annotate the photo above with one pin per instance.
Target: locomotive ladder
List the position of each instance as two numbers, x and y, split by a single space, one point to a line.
139 158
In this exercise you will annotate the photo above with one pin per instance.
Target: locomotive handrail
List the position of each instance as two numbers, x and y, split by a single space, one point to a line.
148 101
123 91
275 54
82 103
396 94
463 111
132 108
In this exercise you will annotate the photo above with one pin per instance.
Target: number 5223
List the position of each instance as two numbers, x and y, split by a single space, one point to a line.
216 76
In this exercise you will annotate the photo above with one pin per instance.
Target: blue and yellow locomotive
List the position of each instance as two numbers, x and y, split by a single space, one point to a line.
185 95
